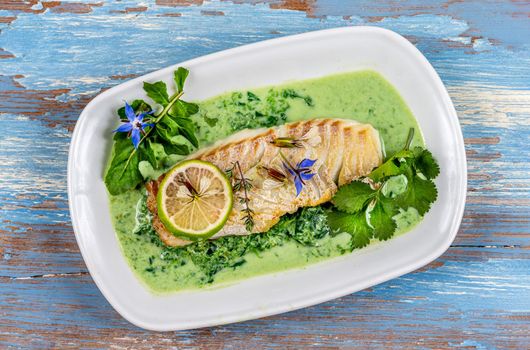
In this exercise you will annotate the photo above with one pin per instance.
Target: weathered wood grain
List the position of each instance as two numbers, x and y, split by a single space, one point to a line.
56 55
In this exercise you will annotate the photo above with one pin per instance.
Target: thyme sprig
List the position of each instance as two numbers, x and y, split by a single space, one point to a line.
242 184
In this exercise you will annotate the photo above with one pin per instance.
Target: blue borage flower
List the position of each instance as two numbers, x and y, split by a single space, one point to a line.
300 173
135 126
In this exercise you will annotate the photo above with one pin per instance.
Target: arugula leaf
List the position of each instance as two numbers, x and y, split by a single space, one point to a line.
122 173
180 76
354 224
187 129
154 153
425 163
381 219
173 133
191 108
183 109
174 143
352 197
176 148
157 92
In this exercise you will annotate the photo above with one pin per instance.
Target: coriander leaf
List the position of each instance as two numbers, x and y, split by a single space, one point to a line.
387 169
352 197
122 173
391 167
381 219
180 76
394 186
425 163
354 224
420 194
157 92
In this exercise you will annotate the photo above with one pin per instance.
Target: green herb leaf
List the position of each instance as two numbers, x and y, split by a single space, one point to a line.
157 92
307 232
252 96
187 129
154 153
425 163
183 109
352 197
122 173
180 76
381 219
420 194
391 167
174 143
354 224
290 93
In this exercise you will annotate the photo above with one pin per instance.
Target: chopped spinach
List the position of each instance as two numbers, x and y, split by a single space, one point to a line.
306 227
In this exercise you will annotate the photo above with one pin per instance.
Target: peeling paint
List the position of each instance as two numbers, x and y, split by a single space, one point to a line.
212 13
131 10
175 3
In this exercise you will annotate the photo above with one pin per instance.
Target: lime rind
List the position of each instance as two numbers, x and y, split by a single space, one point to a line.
189 234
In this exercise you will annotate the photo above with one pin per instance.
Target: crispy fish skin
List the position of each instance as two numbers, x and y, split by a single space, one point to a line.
344 151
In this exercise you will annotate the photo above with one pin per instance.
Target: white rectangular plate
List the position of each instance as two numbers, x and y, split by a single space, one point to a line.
271 62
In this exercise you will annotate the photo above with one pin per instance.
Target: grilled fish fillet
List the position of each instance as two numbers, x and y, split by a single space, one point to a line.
344 150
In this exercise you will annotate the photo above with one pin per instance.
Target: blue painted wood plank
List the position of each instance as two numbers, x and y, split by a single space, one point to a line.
55 56
449 304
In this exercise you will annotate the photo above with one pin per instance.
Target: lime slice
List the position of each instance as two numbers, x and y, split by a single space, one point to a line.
194 199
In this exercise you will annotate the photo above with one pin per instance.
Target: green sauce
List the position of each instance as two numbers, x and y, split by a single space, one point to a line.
299 239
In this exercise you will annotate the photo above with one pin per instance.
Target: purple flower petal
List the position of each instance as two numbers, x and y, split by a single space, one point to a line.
306 176
129 112
126 127
147 124
306 163
288 168
135 137
298 184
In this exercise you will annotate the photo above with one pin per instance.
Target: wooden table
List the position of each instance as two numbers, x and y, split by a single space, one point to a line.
56 56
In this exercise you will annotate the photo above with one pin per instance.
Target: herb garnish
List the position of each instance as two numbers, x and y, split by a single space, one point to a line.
287 142
365 208
300 173
168 132
244 184
134 125
275 174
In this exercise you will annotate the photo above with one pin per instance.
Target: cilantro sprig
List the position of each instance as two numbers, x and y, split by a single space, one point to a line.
365 208
169 132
